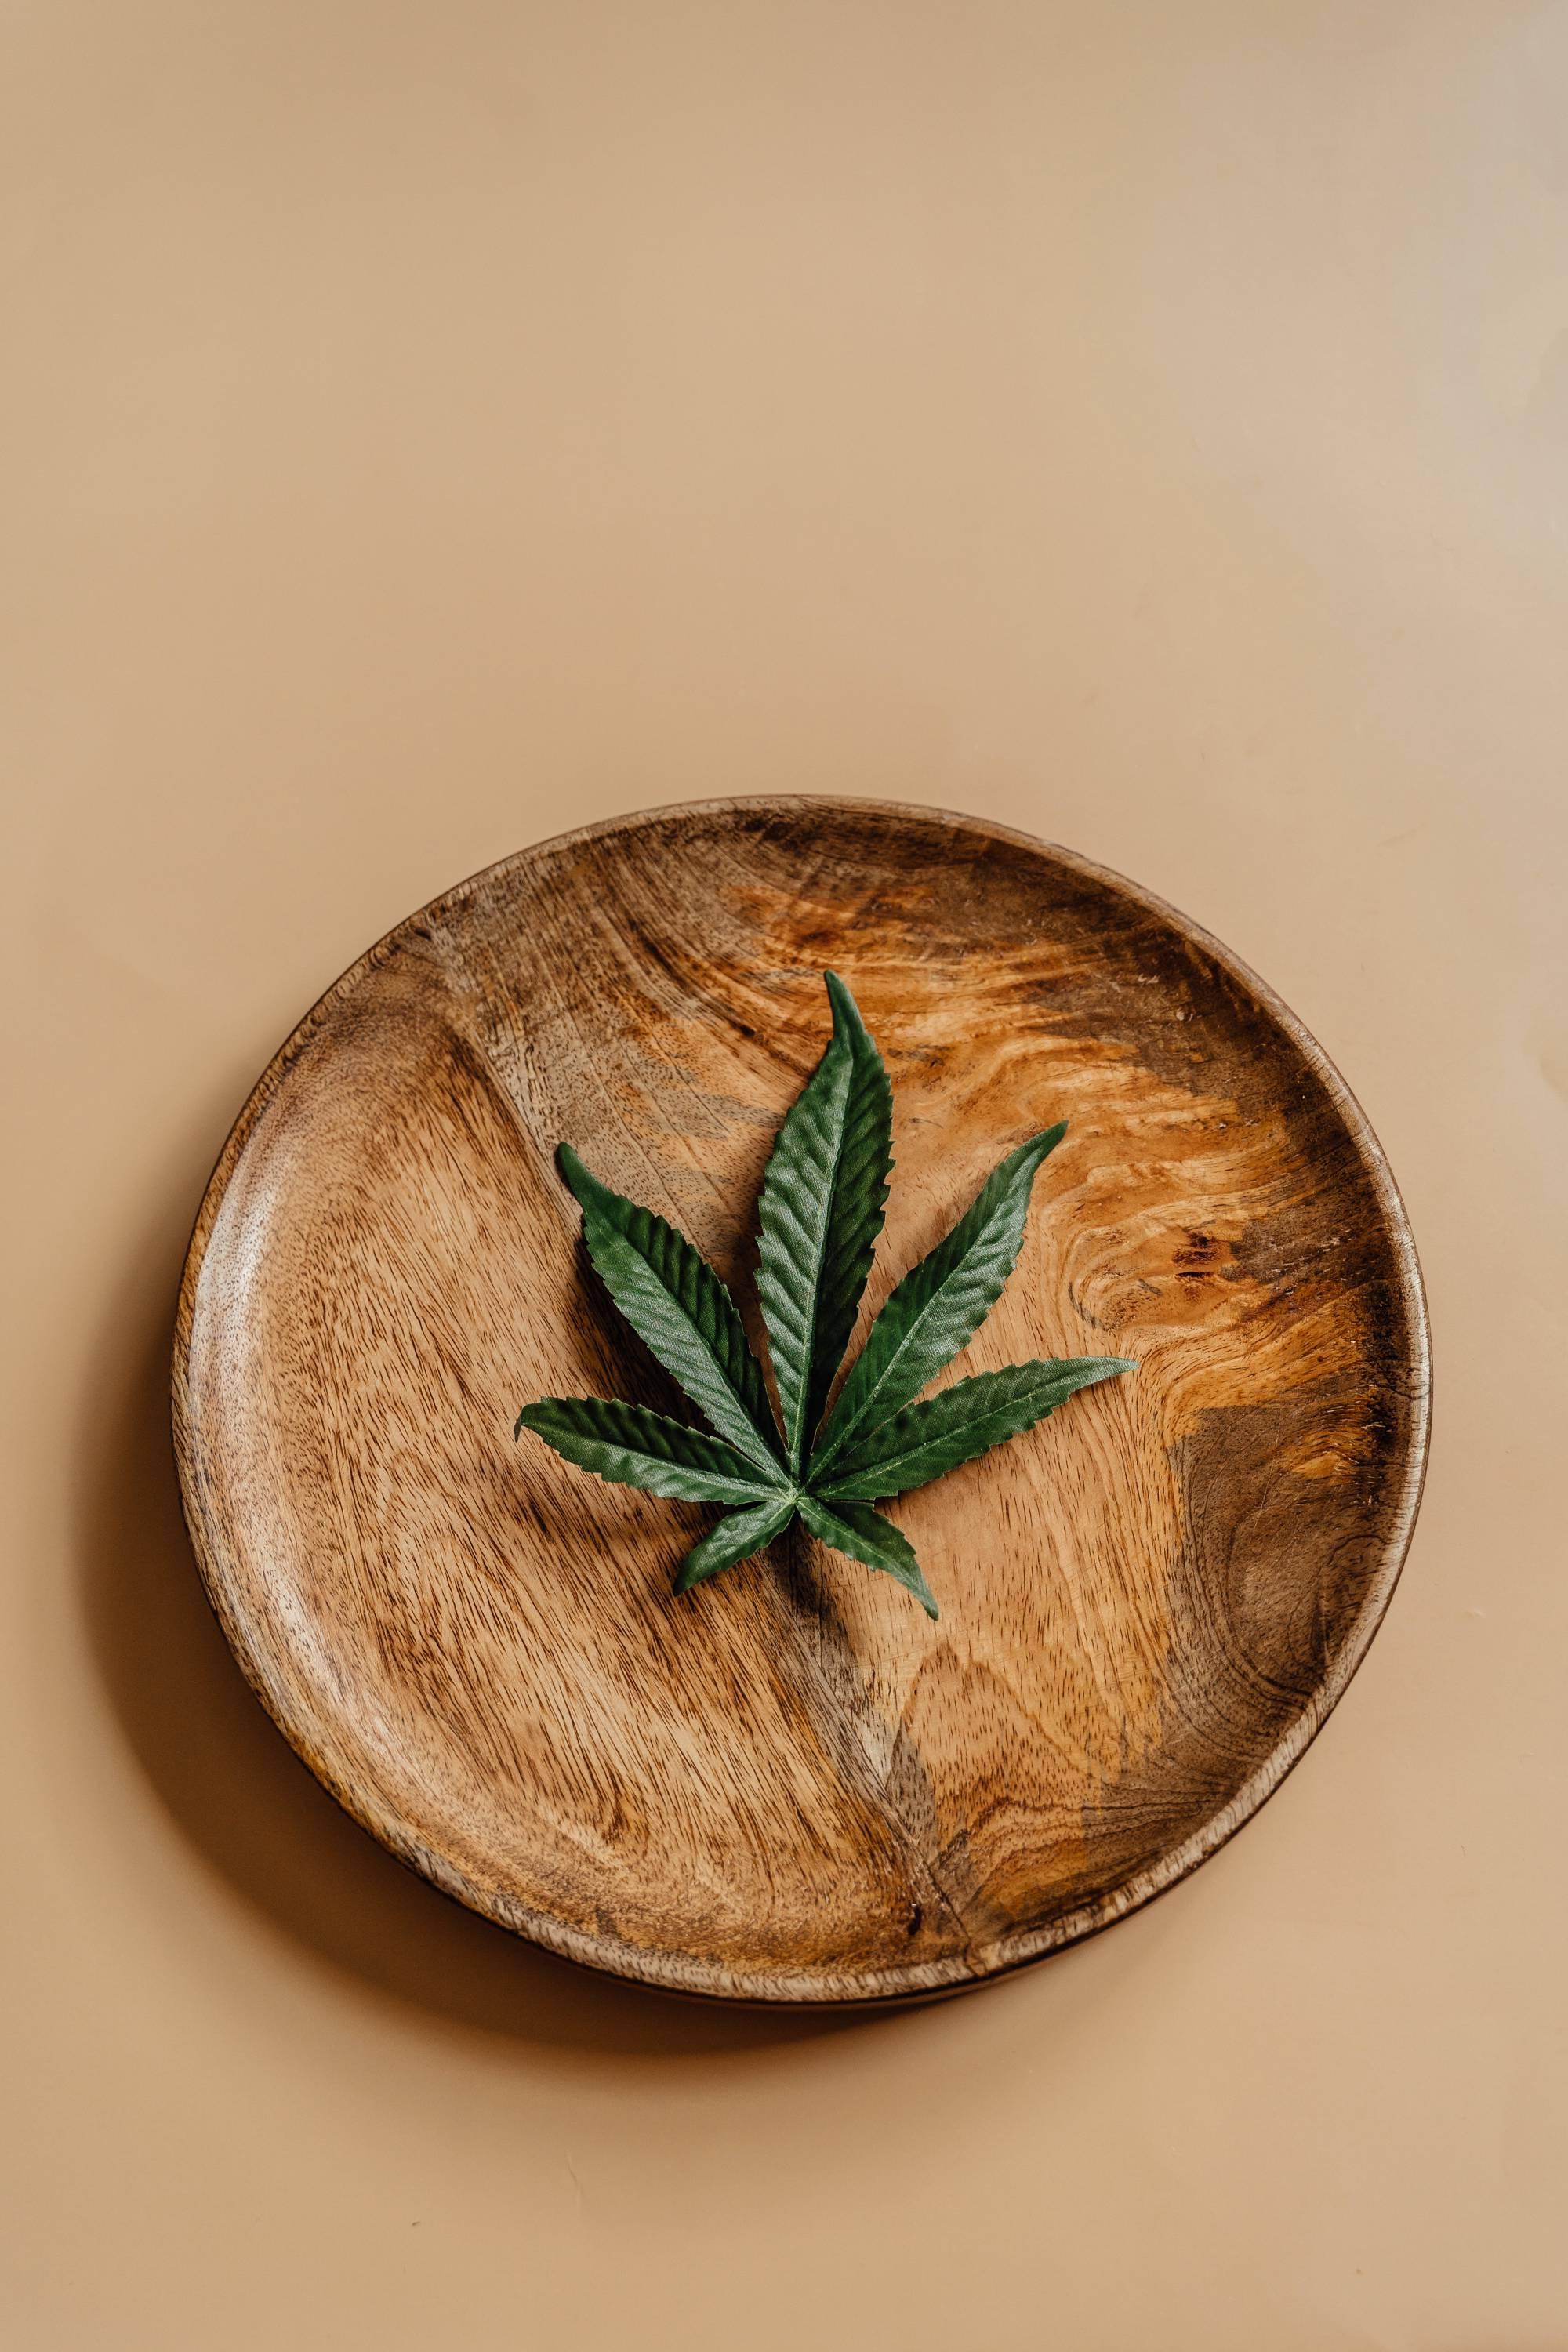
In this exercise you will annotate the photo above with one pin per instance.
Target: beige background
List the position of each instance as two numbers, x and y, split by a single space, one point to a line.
426 427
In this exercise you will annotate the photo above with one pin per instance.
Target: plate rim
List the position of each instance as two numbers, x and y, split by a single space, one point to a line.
1018 1948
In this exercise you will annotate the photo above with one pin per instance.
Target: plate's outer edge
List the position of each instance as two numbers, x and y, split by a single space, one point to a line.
983 1962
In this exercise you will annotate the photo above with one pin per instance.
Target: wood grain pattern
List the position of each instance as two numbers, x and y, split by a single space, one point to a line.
789 1785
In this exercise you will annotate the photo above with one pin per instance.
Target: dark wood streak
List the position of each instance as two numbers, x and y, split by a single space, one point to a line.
789 1786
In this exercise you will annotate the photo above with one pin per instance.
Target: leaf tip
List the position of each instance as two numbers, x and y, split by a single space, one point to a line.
847 1016
839 997
1027 1158
573 1169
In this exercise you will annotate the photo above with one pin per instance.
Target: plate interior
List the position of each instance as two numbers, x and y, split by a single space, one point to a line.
790 1785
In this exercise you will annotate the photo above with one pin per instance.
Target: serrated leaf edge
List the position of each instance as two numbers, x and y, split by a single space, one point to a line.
859 1411
898 1439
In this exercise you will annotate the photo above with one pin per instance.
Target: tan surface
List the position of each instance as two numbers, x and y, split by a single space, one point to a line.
426 428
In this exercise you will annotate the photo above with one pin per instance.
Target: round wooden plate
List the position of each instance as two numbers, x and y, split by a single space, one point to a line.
789 1785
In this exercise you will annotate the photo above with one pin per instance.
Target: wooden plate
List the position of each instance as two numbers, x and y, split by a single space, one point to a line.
789 1785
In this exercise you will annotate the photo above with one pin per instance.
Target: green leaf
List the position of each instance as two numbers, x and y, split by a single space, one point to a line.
939 1307
866 1536
734 1537
676 1303
633 1447
927 1439
820 1214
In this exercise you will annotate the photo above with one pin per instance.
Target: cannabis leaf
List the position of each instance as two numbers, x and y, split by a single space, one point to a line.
820 1216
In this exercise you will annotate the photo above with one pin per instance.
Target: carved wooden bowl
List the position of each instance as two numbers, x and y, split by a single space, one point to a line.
789 1785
